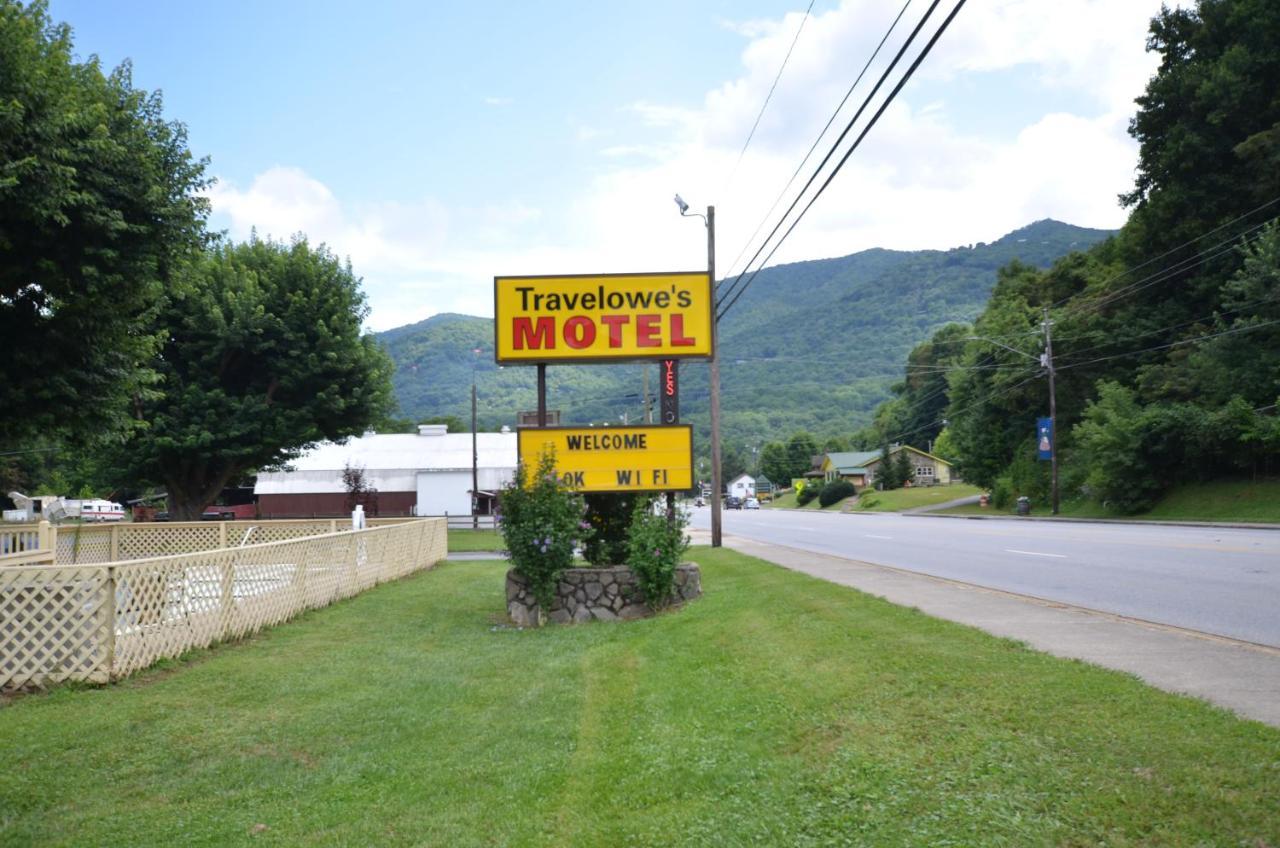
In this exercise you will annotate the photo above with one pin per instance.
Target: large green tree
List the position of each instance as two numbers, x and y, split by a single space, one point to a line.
263 356
98 201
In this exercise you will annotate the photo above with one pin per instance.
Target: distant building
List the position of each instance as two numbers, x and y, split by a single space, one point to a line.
859 467
424 474
742 486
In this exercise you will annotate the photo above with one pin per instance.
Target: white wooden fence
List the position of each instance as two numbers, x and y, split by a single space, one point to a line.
103 621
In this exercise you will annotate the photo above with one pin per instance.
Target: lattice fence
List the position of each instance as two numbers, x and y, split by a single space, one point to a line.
102 622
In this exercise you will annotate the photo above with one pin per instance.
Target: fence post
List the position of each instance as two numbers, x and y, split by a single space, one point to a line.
228 589
222 534
114 554
333 525
109 609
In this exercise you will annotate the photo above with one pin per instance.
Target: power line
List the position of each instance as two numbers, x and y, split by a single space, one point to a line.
1187 243
834 147
819 138
1225 246
1216 314
769 96
858 141
1234 330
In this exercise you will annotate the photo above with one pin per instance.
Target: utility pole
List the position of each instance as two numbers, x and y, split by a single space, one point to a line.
475 460
648 410
1047 361
716 534
710 220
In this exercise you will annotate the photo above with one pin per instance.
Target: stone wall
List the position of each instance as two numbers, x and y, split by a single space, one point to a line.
603 594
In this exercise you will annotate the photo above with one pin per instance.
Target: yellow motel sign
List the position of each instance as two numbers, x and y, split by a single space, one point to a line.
614 459
602 317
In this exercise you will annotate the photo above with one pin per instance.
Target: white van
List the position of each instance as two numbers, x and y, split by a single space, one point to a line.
99 510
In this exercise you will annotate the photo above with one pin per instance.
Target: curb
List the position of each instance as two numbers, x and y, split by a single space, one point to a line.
1234 525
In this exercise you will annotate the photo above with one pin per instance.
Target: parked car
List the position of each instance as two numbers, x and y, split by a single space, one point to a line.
751 503
733 502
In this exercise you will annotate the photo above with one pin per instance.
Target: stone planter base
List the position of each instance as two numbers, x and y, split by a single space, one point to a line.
602 594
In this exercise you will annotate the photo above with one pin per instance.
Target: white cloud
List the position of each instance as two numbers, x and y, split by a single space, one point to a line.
946 165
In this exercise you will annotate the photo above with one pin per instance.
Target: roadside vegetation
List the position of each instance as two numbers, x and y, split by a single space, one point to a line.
1219 500
846 717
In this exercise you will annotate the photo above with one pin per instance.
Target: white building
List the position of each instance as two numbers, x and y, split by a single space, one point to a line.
424 474
742 486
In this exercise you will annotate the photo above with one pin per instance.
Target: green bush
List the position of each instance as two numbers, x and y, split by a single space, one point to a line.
810 491
1002 493
609 514
836 490
656 547
542 522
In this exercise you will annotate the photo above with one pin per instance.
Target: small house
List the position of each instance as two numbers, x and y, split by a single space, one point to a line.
742 486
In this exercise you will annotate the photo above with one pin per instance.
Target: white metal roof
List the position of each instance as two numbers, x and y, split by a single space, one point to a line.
391 461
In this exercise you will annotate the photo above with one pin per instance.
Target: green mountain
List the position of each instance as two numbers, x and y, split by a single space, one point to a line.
811 345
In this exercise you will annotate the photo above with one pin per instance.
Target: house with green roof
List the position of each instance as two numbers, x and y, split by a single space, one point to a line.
859 467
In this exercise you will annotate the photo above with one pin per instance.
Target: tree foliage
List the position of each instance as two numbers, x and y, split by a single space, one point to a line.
98 204
263 357
1166 345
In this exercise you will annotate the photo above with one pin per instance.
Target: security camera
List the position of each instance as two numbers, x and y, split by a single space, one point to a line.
684 207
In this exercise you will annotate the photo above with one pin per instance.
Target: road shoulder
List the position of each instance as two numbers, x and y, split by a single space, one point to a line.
1231 674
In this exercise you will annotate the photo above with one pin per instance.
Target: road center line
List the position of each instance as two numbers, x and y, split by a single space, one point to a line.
1034 553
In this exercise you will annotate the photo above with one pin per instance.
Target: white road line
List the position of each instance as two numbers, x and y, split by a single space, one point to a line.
872 536
1034 553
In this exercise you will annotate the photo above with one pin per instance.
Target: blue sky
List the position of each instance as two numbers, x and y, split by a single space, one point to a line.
440 144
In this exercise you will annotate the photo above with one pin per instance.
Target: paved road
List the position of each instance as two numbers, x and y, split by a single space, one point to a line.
1216 580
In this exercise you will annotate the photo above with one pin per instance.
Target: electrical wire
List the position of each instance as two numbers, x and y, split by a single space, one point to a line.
857 142
834 147
1188 243
839 108
1233 331
769 96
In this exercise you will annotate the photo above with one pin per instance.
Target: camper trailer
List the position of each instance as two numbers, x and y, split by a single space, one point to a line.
100 510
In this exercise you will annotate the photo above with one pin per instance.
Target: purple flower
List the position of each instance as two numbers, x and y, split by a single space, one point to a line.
657 552
584 525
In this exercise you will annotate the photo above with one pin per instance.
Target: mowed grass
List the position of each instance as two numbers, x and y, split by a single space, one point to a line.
776 710
476 540
896 500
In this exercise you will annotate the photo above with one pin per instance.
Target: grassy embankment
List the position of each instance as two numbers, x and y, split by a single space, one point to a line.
891 501
776 710
1219 500
897 500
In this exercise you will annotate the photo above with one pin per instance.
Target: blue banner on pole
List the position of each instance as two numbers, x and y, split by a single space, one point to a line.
1044 438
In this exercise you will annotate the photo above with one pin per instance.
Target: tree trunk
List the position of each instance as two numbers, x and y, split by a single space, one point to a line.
189 497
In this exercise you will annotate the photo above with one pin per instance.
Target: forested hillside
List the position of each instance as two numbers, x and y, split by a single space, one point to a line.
812 345
1166 339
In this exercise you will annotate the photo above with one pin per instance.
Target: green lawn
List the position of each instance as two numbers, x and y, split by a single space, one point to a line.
476 540
777 710
897 500
1219 500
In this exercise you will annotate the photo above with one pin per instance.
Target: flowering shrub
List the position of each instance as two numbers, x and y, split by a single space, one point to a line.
542 522
656 547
